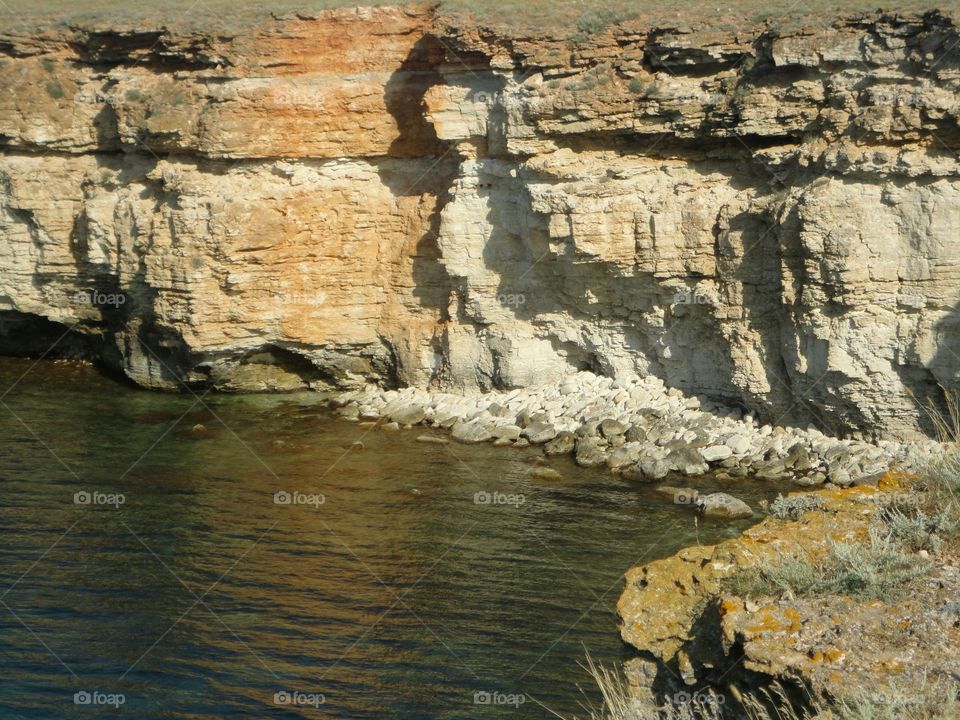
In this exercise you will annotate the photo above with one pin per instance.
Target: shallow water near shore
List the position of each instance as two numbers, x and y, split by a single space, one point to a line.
403 580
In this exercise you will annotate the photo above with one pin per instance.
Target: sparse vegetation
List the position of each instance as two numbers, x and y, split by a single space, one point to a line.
945 424
55 90
889 560
47 64
596 20
134 95
587 82
939 482
599 75
618 705
877 569
558 16
794 506
930 701
917 531
639 87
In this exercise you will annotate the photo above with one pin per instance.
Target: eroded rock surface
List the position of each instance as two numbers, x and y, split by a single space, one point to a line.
692 632
378 195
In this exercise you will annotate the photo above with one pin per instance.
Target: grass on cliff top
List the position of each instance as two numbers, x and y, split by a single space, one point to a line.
587 18
554 17
875 570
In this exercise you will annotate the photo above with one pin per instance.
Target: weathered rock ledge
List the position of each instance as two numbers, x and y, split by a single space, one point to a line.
637 426
690 634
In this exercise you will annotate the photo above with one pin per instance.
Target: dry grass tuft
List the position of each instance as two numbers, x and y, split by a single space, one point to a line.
876 570
928 701
793 507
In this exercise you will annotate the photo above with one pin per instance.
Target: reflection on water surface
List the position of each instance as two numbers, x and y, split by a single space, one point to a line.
386 587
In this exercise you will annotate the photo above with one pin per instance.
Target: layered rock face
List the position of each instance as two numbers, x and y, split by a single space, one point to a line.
382 195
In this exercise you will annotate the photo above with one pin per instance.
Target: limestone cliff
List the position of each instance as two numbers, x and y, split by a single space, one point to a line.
767 217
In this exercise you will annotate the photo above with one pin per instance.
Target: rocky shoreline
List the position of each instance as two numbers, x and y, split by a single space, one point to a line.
691 636
640 428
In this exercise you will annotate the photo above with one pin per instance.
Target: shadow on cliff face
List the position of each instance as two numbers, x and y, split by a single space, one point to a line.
597 293
132 341
931 385
771 250
404 97
603 315
422 166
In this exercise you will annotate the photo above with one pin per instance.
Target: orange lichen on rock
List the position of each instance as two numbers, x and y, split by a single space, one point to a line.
804 637
774 619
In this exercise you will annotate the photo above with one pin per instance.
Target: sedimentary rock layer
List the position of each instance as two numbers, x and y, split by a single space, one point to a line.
764 217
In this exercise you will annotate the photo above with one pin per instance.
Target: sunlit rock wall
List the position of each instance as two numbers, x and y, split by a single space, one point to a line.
381 195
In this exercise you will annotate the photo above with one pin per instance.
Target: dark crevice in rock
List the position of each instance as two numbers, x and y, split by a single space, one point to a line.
150 49
29 335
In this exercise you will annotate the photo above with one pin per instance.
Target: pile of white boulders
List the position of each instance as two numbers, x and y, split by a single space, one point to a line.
636 426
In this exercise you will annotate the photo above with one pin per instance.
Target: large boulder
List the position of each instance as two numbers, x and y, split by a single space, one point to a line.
723 506
590 453
471 432
506 432
623 456
540 432
408 415
687 460
653 468
562 444
610 428
715 453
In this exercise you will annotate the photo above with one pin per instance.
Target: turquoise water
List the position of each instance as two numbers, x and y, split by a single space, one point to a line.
198 596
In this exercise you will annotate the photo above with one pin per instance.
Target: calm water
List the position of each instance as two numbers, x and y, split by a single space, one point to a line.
200 597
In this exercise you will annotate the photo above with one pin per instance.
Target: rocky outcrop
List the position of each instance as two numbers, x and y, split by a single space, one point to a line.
692 632
762 216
